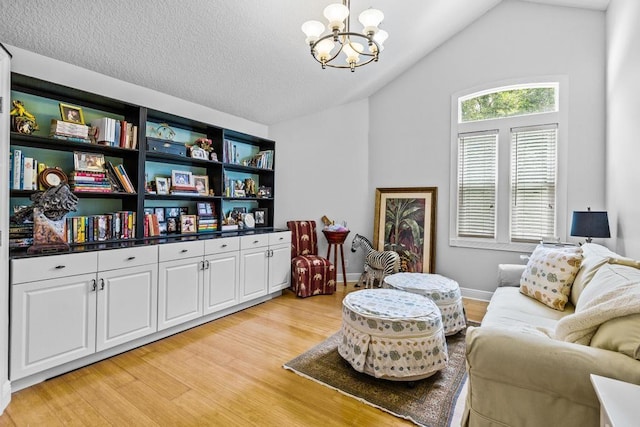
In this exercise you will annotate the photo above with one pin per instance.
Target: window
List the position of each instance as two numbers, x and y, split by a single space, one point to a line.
505 156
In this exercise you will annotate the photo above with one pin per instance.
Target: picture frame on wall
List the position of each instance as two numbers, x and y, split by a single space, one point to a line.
172 211
159 213
260 216
405 222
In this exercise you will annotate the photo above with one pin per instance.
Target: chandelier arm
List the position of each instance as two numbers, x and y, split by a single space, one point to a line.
370 41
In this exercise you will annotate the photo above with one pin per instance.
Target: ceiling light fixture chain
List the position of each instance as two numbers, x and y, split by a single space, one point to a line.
323 47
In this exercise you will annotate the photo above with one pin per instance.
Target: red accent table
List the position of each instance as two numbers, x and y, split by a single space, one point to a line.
336 239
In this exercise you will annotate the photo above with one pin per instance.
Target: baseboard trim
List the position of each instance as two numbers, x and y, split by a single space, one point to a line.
5 396
476 294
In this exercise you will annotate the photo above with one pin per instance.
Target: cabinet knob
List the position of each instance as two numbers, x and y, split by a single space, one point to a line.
93 285
256 241
59 267
184 251
102 284
206 264
224 245
131 258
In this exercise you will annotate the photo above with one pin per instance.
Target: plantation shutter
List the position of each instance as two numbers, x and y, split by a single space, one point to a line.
533 182
477 163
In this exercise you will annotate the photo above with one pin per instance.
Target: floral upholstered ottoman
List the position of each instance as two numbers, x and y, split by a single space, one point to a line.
443 291
392 334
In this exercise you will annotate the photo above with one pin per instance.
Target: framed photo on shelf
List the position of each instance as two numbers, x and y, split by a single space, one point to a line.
260 217
159 213
172 211
172 224
205 209
181 178
162 227
162 185
71 114
184 210
90 162
405 222
198 153
187 223
201 183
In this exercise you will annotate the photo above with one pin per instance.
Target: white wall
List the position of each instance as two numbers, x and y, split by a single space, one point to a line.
321 169
623 115
410 118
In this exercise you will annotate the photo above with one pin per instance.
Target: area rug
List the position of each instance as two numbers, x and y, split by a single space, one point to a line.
428 402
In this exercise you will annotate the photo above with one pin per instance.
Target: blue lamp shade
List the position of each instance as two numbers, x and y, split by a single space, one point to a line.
590 224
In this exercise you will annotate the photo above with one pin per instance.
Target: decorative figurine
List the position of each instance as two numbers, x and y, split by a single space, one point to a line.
48 213
22 121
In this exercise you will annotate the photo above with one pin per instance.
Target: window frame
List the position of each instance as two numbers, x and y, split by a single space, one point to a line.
504 125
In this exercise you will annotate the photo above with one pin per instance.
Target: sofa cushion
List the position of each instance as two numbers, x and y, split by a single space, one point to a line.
593 257
621 335
550 273
509 309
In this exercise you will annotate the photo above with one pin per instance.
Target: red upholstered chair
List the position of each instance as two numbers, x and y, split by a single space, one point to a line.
310 274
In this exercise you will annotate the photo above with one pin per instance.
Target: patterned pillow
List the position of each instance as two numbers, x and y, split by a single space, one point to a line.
549 275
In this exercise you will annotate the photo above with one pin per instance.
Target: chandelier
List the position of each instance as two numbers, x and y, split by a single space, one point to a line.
326 49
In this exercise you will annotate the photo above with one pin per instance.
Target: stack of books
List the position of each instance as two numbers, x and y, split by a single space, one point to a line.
183 190
207 220
89 182
20 235
69 131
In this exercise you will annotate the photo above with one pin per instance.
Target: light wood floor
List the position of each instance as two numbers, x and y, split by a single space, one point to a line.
227 372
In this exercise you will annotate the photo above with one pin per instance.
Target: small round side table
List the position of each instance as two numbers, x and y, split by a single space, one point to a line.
336 239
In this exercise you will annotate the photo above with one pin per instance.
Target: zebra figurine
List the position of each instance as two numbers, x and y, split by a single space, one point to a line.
378 264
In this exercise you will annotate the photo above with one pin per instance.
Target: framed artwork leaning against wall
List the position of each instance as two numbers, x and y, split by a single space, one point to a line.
405 222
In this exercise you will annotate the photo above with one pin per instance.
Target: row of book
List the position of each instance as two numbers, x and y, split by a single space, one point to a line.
263 160
116 133
24 170
98 228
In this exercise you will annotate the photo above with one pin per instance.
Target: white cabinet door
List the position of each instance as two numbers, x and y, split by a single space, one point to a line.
180 287
52 322
127 305
221 281
279 267
254 273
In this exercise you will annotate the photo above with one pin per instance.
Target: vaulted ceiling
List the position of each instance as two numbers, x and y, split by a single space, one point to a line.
243 57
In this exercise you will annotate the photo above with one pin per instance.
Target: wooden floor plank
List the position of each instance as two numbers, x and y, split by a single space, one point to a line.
226 372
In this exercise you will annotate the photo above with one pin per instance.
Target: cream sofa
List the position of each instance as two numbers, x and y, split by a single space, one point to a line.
524 369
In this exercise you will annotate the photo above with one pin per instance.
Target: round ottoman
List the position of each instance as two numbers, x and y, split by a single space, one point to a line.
392 334
443 291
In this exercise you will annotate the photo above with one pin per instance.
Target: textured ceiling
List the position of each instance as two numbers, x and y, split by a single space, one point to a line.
243 57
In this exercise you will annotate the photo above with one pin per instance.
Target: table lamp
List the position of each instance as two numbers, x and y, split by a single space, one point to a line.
590 224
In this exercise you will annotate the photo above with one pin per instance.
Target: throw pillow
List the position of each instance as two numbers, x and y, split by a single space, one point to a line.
550 273
621 334
594 256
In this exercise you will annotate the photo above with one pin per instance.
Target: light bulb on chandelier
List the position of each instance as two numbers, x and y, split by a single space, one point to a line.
323 47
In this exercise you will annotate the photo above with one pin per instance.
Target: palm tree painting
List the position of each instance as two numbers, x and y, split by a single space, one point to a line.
405 223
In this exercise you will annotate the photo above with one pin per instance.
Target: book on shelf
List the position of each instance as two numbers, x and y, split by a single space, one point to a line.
116 133
17 169
123 178
98 228
151 225
71 138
